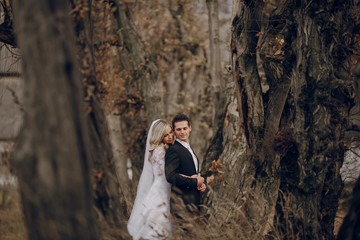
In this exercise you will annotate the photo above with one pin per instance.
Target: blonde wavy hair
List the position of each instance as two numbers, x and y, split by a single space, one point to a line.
157 134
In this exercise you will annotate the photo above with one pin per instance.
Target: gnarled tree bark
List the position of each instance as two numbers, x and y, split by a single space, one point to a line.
109 190
292 122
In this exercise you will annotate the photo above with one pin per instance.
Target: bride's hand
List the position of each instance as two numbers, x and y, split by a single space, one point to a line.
202 188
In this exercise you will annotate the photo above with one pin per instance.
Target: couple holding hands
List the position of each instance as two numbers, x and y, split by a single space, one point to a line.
170 168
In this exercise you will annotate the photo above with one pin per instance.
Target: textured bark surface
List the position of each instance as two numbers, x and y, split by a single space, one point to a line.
256 118
317 117
109 192
109 196
292 119
227 193
217 80
52 158
350 228
141 84
134 57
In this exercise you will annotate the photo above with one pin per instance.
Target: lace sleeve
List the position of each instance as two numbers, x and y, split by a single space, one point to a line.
158 161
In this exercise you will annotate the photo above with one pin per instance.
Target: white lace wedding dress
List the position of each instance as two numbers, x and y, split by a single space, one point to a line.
150 217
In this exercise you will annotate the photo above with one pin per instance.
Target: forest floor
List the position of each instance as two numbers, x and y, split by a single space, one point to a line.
12 225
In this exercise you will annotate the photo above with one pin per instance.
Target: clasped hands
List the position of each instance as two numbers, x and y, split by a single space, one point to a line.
200 182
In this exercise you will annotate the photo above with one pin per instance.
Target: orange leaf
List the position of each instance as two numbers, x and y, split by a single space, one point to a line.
210 180
214 166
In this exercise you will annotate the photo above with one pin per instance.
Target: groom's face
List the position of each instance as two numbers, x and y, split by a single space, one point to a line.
182 130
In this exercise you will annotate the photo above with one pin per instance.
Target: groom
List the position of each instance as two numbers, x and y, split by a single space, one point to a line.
182 165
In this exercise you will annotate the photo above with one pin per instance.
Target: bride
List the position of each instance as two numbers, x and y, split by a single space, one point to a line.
150 216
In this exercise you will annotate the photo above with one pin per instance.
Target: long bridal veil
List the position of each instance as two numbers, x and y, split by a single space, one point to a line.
146 180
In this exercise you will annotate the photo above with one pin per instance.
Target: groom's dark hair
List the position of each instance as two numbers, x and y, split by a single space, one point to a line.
180 117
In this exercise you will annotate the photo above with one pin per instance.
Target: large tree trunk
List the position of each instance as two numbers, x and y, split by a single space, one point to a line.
250 165
110 191
258 118
316 117
52 158
350 228
292 122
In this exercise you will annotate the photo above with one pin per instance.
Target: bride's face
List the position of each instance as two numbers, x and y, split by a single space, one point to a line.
169 136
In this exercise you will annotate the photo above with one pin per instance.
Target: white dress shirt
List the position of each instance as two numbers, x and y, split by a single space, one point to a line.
187 146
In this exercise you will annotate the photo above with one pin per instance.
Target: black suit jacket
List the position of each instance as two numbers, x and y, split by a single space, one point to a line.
178 160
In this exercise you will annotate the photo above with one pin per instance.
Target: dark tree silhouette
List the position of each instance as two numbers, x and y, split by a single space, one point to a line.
52 158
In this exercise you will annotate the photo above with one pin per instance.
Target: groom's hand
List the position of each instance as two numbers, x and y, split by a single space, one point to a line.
202 188
200 180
